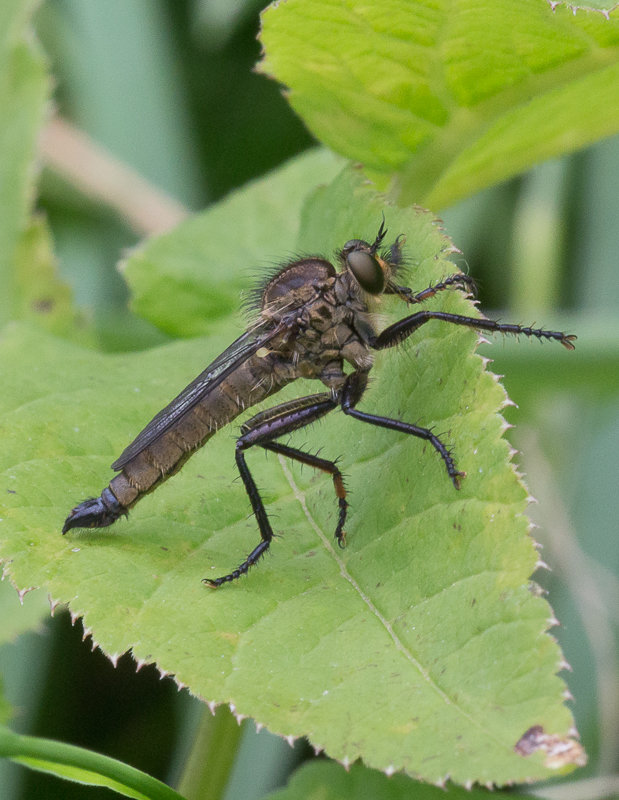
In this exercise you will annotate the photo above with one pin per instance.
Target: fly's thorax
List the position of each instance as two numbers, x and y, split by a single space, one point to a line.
295 286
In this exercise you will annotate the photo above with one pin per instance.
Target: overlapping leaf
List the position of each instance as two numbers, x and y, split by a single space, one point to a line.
442 99
420 647
28 287
23 90
329 781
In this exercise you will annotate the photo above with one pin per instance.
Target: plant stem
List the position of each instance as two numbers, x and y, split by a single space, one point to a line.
212 756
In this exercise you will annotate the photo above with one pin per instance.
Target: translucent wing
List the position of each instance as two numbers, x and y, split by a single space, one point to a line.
244 347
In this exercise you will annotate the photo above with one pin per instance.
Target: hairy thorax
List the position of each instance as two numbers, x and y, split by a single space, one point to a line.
331 325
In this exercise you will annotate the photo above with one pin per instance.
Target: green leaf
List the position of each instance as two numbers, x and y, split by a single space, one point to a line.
444 99
20 613
323 780
24 88
208 260
29 286
421 647
603 6
40 296
5 708
82 766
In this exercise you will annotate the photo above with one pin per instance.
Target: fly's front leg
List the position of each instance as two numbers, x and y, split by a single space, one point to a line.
351 394
261 430
459 281
401 330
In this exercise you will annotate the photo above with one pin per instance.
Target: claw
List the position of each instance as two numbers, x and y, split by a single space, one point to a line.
96 512
567 340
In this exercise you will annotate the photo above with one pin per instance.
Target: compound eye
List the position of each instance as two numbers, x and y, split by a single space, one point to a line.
367 271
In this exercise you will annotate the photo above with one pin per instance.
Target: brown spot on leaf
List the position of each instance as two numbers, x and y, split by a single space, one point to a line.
559 750
43 305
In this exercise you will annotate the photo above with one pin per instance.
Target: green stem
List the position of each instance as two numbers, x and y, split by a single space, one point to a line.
212 756
538 240
82 766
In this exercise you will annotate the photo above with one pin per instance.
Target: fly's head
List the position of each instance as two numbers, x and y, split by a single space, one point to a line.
372 269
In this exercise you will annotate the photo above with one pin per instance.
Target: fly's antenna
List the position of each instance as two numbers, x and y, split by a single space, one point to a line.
382 232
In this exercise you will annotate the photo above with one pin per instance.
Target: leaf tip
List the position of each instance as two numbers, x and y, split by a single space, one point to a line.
237 714
21 593
53 605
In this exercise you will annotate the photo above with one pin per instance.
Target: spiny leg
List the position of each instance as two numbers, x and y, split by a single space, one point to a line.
261 430
458 281
401 330
326 466
352 392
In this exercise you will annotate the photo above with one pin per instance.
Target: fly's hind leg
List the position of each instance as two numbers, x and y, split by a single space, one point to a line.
261 430
327 466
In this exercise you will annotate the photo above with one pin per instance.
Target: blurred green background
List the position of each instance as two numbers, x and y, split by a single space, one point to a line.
167 87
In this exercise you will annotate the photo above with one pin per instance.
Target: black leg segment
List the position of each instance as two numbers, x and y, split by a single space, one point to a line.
352 394
261 430
458 281
325 465
401 330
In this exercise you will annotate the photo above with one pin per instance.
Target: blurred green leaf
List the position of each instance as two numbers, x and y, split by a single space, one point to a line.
5 708
322 780
421 647
82 766
592 372
24 88
207 261
445 100
40 296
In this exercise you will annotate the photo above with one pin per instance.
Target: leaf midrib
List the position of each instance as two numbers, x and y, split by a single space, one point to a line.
326 542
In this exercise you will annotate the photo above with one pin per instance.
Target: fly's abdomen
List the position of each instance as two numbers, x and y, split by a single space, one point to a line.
167 453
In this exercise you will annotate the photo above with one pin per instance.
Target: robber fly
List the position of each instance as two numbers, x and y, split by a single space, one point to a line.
313 319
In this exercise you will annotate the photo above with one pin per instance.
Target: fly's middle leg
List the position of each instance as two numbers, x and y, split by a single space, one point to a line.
262 430
351 394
